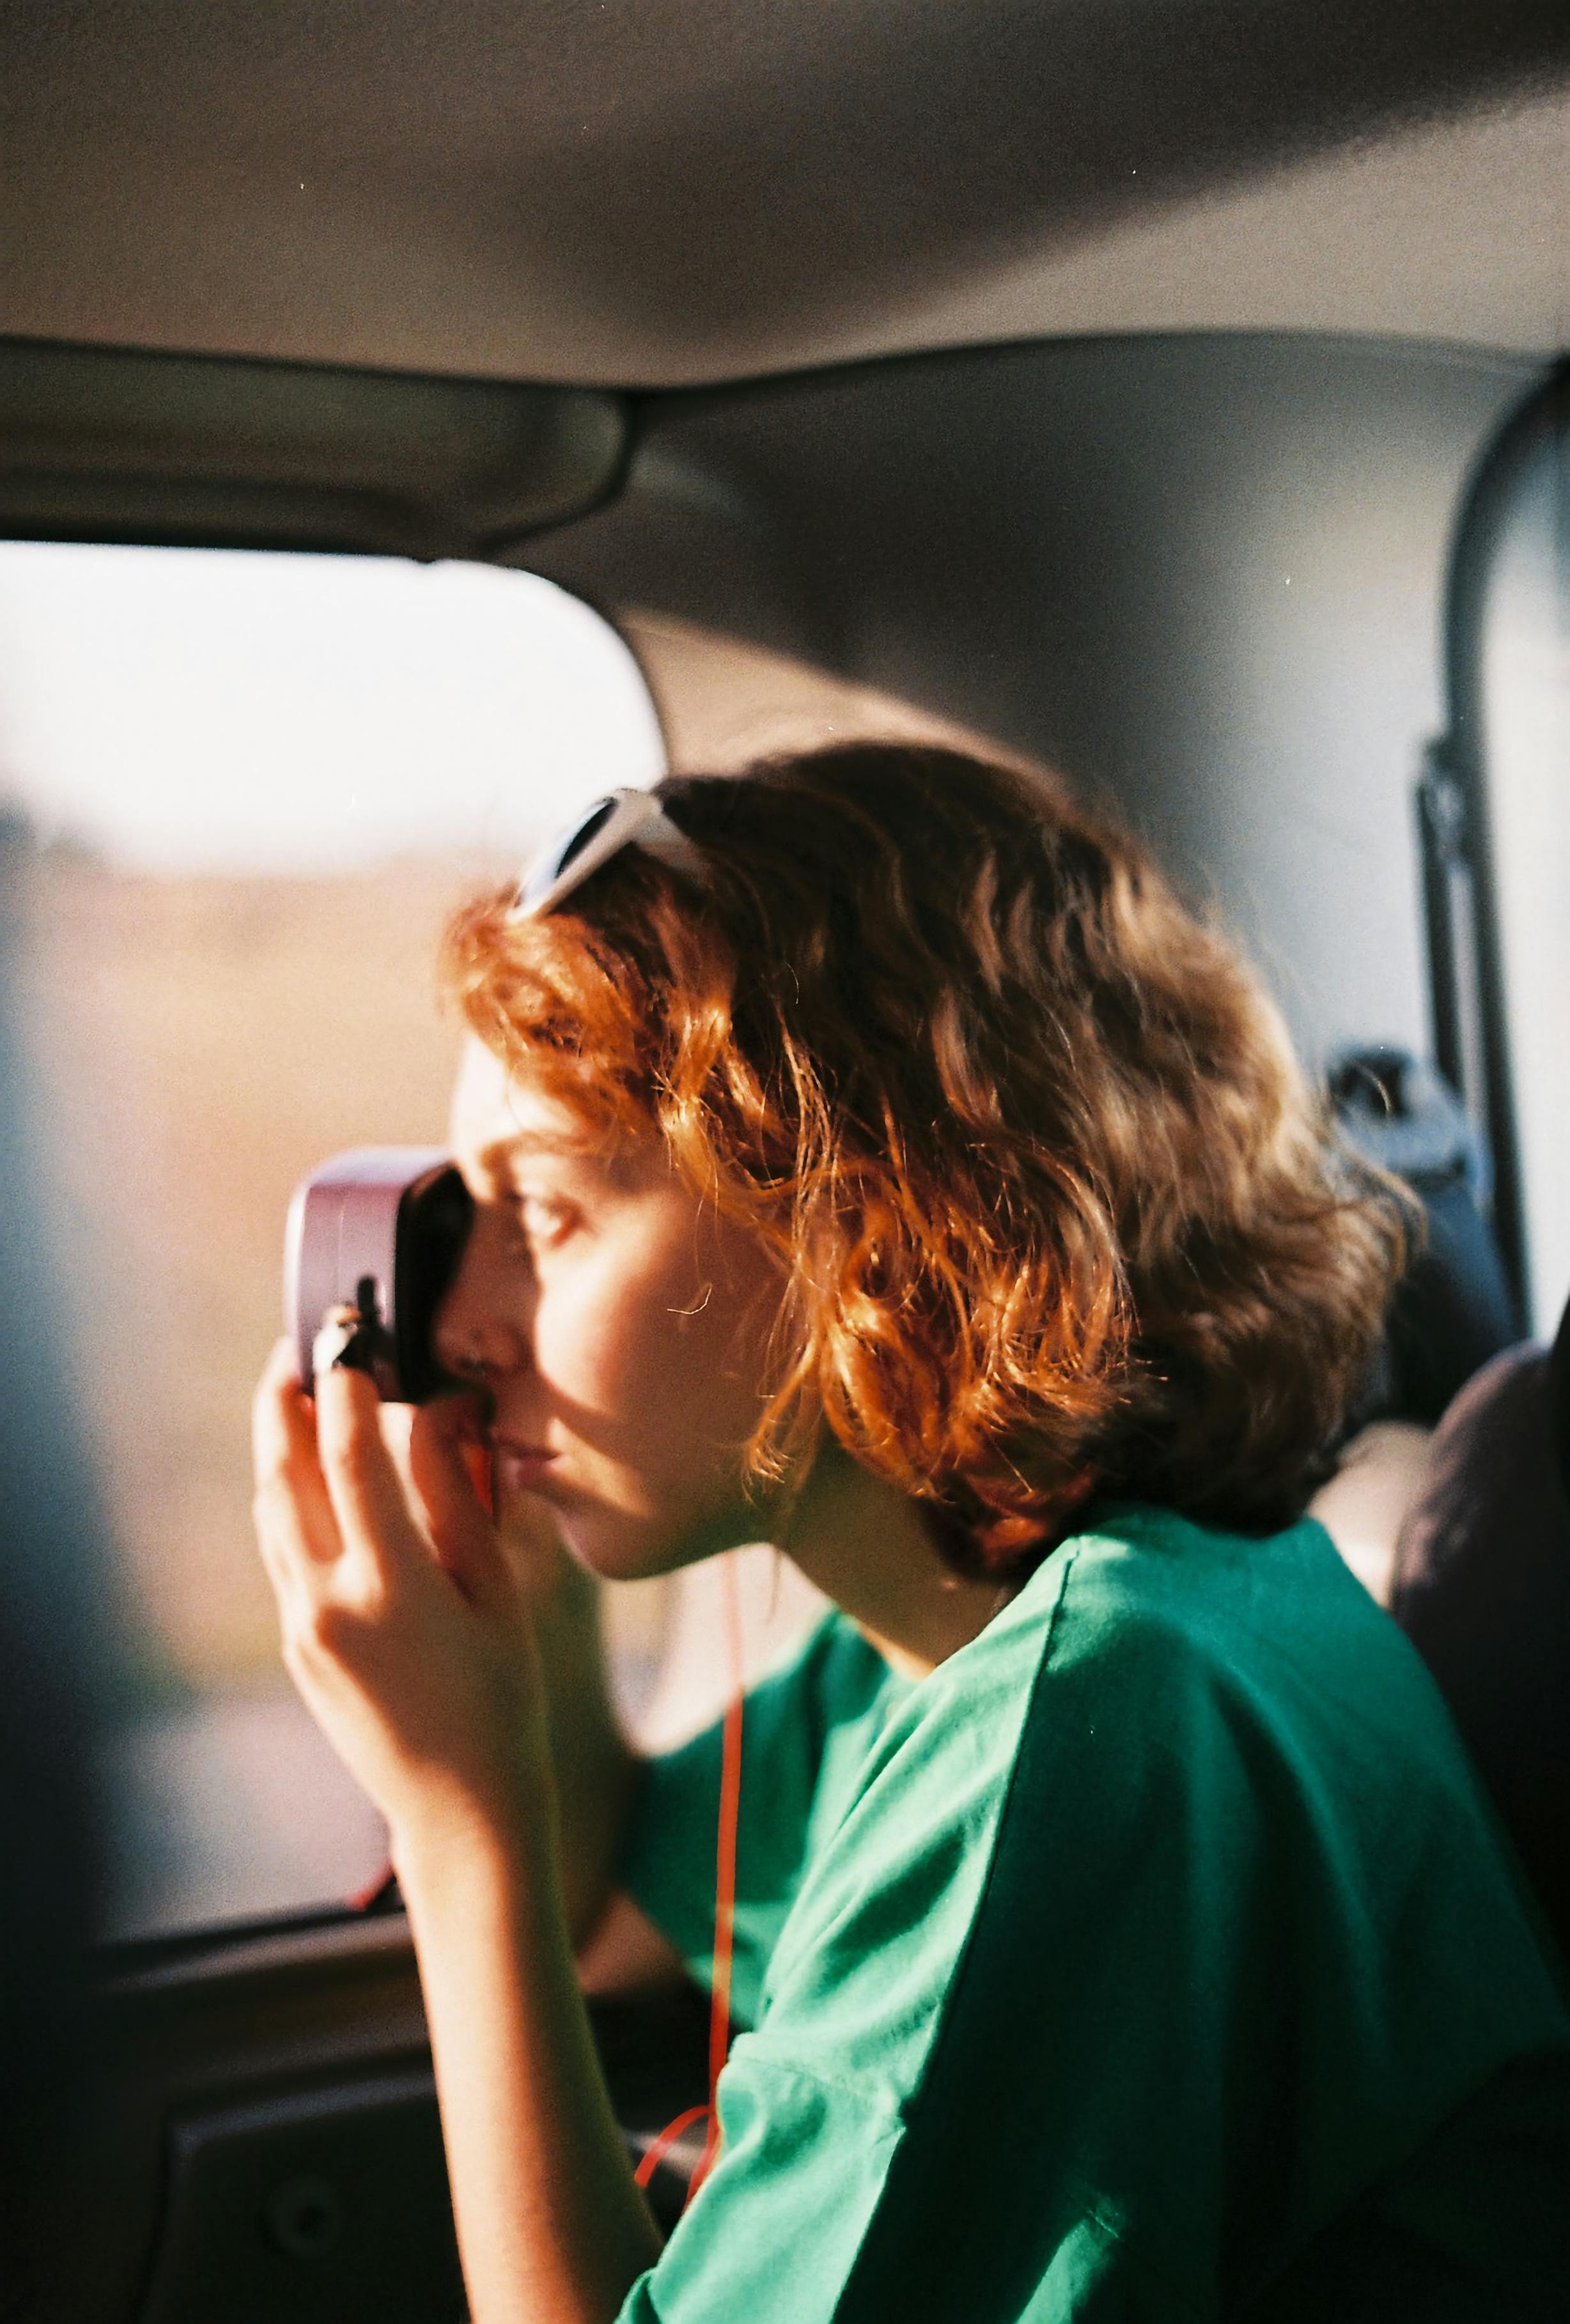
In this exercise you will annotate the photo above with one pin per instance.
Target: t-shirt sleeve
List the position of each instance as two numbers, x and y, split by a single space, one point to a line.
1094 1991
797 1727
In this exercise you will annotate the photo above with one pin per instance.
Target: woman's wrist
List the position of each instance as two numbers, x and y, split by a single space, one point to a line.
512 1830
550 2227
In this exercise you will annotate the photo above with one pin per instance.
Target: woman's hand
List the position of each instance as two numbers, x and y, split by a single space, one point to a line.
406 1622
408 1628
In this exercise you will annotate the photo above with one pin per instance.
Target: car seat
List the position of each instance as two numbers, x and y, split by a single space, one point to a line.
1452 1310
1482 1589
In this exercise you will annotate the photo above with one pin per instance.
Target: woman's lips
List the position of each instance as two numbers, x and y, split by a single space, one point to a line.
522 1467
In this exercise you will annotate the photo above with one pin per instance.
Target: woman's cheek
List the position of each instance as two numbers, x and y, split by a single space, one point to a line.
597 1335
572 1345
655 1332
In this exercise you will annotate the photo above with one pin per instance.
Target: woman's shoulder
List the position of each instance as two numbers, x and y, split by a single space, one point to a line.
1180 1754
1139 1612
1157 1676
1266 1637
1144 1597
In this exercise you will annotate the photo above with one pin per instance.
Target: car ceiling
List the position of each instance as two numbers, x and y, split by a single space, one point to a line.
674 192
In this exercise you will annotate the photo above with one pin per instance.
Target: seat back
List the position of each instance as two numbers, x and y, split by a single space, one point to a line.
1559 1398
1482 1589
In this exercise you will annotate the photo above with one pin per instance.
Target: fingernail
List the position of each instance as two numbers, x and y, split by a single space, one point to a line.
343 1343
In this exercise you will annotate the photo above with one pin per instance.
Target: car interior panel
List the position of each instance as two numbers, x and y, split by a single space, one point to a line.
1151 392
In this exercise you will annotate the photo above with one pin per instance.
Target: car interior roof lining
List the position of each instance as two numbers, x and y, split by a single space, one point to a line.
680 191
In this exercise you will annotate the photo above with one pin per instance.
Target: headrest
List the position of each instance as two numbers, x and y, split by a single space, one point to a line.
1399 1113
1453 1308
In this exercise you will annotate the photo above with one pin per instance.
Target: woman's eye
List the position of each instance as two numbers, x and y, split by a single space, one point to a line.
544 1218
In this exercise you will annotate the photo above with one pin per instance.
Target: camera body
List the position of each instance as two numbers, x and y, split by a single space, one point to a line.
381 1228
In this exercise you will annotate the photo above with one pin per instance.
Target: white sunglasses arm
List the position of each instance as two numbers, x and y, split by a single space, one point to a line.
637 820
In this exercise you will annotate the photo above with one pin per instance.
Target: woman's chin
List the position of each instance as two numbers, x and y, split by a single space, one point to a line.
615 1547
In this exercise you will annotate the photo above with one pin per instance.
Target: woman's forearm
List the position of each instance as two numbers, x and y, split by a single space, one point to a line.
551 2229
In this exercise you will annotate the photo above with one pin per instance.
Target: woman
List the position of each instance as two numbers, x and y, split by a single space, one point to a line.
870 1155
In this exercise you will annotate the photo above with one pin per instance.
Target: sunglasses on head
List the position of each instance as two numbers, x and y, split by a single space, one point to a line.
621 819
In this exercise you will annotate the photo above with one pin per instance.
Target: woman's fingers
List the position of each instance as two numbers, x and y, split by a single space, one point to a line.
442 1442
278 1392
425 1695
329 1481
363 1486
292 1506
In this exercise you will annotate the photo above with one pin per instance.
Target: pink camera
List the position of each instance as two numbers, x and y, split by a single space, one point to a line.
381 1230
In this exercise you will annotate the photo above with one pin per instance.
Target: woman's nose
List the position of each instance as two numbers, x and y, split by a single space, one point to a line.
482 1325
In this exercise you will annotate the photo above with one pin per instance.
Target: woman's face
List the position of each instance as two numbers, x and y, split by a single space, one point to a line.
622 1329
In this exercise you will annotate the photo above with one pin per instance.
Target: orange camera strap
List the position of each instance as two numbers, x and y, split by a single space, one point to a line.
725 1911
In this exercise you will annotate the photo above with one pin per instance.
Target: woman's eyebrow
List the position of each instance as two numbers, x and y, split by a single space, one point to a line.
501 1151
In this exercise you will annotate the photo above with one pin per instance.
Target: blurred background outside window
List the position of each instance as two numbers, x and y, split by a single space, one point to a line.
239 795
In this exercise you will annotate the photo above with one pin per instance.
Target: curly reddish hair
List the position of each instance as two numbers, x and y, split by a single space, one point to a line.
1055 1210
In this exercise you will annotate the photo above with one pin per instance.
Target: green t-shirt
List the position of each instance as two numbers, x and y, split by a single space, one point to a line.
1154 1957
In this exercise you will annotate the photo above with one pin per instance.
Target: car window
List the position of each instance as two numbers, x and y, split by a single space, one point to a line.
241 792
1526 719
